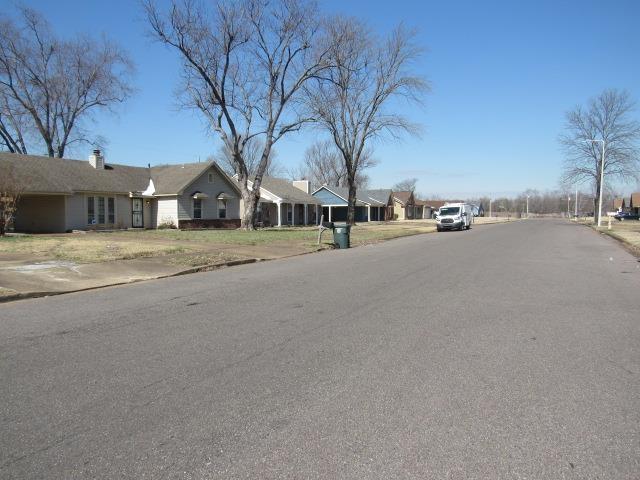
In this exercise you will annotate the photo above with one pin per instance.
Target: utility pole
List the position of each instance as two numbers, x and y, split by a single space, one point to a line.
490 200
527 206
568 206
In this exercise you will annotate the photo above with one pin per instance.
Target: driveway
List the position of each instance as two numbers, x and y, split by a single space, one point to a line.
508 351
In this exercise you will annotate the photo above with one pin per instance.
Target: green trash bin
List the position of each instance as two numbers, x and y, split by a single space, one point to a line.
342 235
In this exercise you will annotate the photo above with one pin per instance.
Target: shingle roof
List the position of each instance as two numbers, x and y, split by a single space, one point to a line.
41 174
403 197
361 198
286 191
435 204
380 197
172 179
619 203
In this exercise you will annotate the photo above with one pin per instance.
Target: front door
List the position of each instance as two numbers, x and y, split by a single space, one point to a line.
137 220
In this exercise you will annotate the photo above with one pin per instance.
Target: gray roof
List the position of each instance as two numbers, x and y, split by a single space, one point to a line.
40 174
173 179
379 196
285 190
375 198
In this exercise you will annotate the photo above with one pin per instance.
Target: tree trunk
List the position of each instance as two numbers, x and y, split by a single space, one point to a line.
249 213
351 208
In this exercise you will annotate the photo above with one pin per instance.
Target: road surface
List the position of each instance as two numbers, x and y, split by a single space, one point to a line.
508 351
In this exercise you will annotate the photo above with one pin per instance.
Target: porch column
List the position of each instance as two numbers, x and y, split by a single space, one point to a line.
293 214
368 213
306 213
329 214
278 206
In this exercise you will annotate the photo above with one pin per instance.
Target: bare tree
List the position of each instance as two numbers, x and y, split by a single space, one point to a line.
406 185
50 87
252 156
10 192
244 65
607 117
323 165
351 103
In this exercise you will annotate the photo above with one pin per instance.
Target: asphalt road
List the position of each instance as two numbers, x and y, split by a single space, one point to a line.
508 351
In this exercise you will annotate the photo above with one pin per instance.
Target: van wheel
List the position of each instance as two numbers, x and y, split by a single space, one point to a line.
439 229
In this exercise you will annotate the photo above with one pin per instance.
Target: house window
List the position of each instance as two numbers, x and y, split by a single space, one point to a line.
91 211
222 208
211 177
101 210
111 208
197 208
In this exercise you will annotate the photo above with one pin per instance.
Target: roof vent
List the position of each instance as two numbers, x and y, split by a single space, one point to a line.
96 160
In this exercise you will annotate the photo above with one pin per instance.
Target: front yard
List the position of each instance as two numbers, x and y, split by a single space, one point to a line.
191 247
196 247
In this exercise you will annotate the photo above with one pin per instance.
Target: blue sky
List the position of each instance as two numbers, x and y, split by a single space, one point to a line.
502 73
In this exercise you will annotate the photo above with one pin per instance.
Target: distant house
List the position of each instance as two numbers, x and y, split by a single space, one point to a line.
371 205
62 195
403 205
286 203
620 204
634 203
432 206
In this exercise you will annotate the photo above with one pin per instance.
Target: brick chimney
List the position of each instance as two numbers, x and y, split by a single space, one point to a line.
96 160
304 185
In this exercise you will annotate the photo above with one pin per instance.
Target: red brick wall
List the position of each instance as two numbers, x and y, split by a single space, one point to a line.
217 223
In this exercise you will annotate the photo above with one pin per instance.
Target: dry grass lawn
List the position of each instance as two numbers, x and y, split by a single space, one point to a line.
196 247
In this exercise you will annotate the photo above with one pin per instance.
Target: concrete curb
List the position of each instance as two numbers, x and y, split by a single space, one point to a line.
197 269
188 271
632 249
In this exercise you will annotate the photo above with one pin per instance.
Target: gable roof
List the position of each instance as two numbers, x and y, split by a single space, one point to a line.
404 197
174 179
380 196
285 190
619 203
41 174
436 204
343 192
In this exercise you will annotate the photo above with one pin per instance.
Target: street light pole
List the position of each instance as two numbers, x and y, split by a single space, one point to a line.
527 206
490 200
576 215
568 206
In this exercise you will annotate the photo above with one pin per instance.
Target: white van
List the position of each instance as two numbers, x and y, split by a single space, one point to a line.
456 216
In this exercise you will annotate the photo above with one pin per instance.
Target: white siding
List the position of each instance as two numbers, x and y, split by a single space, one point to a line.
167 210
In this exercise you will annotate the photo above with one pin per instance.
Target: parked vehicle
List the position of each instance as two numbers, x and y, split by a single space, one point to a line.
620 216
454 216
